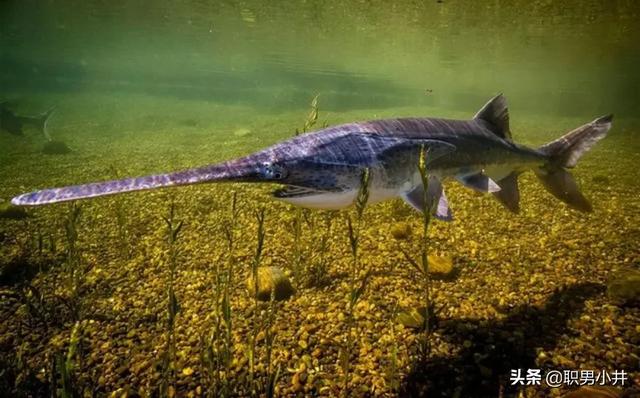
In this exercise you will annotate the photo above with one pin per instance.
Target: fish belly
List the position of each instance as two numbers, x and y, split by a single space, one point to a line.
339 200
324 200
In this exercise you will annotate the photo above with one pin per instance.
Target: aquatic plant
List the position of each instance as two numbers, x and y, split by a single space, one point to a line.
297 244
358 279
312 117
71 229
317 268
262 322
39 243
121 221
34 301
257 257
310 121
422 266
173 307
40 246
354 227
217 346
65 364
74 271
272 375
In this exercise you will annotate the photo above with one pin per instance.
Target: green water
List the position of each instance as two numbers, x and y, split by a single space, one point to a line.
147 87
549 57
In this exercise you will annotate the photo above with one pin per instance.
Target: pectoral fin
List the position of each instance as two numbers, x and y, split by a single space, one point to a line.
436 199
479 182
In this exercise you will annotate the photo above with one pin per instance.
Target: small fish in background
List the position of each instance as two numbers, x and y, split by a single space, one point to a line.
13 124
323 169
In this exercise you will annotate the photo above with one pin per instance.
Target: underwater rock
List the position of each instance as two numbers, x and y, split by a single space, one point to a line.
401 231
55 148
440 265
414 317
271 279
11 212
188 371
623 286
594 392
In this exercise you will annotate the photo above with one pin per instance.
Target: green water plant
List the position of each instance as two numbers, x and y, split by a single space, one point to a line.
36 305
358 278
73 266
174 227
120 216
256 324
310 121
354 227
312 117
65 365
317 267
297 244
217 346
273 371
262 323
40 243
425 315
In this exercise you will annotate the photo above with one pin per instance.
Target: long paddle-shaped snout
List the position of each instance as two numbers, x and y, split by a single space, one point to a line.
247 169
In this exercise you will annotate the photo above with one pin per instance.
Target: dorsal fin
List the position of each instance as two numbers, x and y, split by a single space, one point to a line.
496 114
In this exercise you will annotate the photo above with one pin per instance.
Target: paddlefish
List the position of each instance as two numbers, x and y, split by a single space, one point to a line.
323 169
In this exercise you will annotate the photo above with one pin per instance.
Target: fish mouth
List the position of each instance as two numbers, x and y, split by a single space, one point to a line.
293 191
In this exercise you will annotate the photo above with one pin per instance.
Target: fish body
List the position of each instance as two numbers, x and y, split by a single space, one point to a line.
323 169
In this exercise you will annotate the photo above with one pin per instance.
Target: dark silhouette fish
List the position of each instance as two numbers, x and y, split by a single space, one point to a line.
323 169
13 124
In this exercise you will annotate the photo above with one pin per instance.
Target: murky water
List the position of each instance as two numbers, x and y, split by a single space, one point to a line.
147 87
549 57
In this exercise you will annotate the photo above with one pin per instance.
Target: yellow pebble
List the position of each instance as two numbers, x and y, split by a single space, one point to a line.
187 371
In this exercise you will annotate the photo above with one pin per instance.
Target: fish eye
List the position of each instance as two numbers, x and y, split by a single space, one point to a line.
273 171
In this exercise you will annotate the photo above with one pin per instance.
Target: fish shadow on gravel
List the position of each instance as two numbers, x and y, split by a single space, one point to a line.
483 366
22 269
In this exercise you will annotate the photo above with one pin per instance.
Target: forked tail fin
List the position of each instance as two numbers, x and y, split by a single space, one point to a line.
563 154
